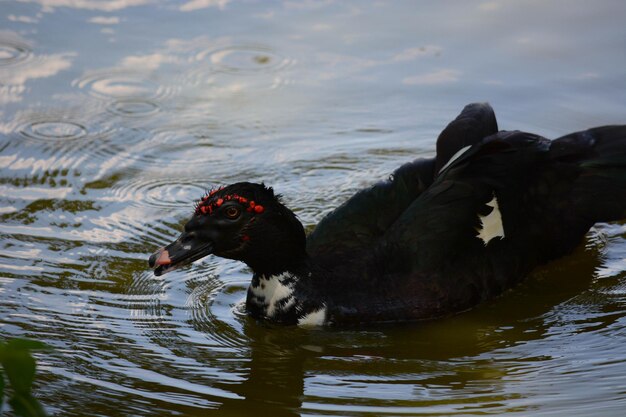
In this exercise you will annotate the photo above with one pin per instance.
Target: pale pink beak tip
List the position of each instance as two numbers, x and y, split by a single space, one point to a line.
163 259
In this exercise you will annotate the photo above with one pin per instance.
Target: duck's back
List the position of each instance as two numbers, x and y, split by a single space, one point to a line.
510 203
428 243
358 224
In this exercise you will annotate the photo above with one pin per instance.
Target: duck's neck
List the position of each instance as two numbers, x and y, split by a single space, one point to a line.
287 297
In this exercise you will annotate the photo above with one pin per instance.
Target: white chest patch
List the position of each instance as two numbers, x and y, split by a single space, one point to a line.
276 291
491 225
316 318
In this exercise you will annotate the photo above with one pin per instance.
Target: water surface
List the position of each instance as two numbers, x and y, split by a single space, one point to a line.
116 116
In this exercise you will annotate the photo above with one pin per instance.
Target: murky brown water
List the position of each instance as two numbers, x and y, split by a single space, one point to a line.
116 116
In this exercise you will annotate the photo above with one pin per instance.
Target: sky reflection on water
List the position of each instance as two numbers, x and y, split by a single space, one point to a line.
116 115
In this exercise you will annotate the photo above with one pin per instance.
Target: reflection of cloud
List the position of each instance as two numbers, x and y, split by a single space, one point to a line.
442 76
414 53
11 93
105 6
321 27
307 4
266 15
103 20
34 193
587 76
203 4
22 19
489 6
41 66
147 62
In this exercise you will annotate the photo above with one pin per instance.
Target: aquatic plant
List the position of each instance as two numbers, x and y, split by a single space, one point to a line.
19 367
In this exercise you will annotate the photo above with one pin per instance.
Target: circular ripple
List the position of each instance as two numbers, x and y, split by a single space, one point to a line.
245 59
54 130
12 52
189 147
67 139
161 192
134 107
121 85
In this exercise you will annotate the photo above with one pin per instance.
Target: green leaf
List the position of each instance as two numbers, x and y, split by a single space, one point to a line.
25 405
20 369
26 344
18 363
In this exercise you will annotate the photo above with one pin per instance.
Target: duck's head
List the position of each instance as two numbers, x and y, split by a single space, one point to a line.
243 221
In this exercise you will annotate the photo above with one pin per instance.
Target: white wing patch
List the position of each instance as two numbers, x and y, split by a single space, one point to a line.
316 318
491 225
456 156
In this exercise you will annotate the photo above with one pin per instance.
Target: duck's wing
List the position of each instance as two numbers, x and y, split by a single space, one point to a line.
511 202
369 213
476 122
366 216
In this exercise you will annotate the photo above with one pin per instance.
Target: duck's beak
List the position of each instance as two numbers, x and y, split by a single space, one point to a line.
181 252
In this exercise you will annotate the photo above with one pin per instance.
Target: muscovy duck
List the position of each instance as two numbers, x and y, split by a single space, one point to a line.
436 238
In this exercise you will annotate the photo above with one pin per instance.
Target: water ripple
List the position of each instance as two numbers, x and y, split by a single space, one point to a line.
12 51
57 126
118 84
161 192
178 149
53 130
245 59
212 306
100 166
56 140
130 94
134 107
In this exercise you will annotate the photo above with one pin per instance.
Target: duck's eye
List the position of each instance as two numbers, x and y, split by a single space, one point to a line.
232 212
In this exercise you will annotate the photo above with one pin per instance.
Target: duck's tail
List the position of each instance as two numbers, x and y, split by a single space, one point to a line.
599 155
547 193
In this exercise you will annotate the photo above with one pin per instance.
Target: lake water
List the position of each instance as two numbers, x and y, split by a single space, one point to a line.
115 116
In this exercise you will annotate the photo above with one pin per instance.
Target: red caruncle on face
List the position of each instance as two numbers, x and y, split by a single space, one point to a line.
209 203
